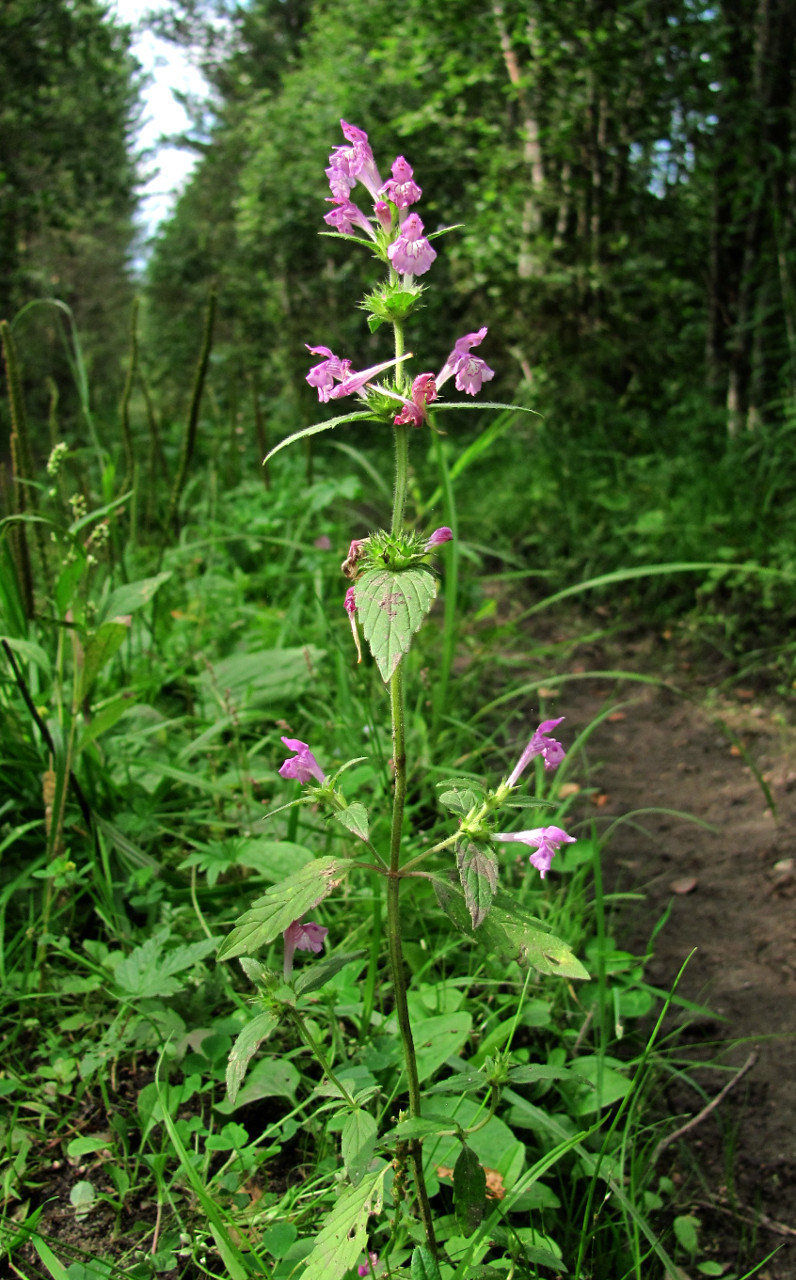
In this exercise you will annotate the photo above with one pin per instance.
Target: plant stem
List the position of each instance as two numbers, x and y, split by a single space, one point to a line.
396 950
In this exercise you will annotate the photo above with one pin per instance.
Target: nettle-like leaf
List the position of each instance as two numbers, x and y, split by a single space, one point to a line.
354 819
460 799
511 931
478 872
283 903
391 605
357 1143
343 1236
244 1049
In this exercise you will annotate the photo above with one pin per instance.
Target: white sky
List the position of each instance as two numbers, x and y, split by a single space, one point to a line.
170 69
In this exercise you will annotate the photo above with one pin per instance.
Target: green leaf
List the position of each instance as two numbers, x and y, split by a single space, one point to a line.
30 651
423 1127
271 914
315 429
469 1190
686 1229
511 931
357 1143
459 800
343 1236
105 718
316 975
424 1264
272 859
244 1049
102 646
478 872
354 819
148 972
132 596
391 605
439 1038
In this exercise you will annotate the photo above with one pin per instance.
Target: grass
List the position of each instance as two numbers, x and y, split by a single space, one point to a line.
143 706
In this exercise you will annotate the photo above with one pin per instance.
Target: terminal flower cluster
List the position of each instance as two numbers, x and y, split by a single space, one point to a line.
399 237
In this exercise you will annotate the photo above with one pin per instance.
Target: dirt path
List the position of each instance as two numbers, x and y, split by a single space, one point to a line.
732 894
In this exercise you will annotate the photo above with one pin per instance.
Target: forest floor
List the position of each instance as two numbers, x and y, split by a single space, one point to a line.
730 889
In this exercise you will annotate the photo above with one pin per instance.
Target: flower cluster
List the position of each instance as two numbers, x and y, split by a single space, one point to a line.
400 239
382 550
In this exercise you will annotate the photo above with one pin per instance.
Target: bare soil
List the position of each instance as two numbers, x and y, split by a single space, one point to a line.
727 877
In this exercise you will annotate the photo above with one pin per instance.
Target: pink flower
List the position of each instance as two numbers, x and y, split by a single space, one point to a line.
356 381
349 165
346 216
302 937
350 606
364 1270
401 188
302 766
323 543
411 253
444 534
545 840
324 375
356 550
540 744
469 371
424 391
382 212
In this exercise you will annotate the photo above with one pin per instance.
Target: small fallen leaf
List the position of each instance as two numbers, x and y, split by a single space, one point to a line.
495 1189
443 1171
599 800
548 693
735 751
745 693
568 789
685 884
617 715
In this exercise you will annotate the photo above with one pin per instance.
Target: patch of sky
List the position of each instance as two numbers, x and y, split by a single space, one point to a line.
170 79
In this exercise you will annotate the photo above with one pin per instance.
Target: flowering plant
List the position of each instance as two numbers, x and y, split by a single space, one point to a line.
392 584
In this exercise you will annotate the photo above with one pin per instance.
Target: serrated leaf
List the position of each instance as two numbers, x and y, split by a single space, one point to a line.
343 1236
469 1190
357 1143
271 914
391 605
512 932
424 1264
244 1049
459 799
148 972
478 872
316 975
354 819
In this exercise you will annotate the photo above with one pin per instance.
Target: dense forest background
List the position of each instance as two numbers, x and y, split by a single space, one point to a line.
624 176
